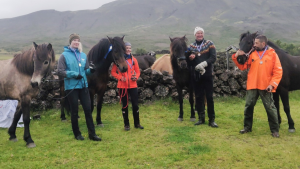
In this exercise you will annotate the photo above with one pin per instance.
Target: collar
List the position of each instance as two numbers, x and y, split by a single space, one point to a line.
199 42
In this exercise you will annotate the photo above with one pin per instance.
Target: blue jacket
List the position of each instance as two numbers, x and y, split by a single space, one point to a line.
69 67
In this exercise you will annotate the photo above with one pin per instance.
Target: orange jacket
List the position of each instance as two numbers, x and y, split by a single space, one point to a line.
264 72
132 69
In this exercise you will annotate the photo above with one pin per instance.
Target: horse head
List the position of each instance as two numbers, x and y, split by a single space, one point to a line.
43 61
246 45
178 51
117 52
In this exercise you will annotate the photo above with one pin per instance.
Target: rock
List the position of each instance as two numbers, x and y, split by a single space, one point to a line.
147 93
161 91
156 75
112 84
147 71
140 82
226 89
110 93
224 76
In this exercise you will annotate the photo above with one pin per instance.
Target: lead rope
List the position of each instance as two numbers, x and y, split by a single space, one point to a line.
122 93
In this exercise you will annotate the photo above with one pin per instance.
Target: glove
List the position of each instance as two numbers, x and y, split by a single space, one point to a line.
202 71
79 77
201 66
92 67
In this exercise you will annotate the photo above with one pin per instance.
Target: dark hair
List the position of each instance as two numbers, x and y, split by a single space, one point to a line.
262 38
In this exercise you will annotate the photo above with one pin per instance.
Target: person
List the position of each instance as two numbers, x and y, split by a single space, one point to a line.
73 65
201 60
127 85
263 78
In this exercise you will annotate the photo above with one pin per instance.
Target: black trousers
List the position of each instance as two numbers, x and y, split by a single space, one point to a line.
133 93
204 86
84 97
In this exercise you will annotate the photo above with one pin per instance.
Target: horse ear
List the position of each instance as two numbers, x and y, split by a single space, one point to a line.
171 39
123 37
183 37
49 47
35 45
255 34
110 39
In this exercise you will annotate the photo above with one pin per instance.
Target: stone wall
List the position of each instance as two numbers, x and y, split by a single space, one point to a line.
154 85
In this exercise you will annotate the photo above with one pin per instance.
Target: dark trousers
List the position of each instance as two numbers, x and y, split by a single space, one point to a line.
133 93
204 86
267 99
84 97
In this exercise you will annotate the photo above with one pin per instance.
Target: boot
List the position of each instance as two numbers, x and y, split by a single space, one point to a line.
212 123
201 116
136 118
125 118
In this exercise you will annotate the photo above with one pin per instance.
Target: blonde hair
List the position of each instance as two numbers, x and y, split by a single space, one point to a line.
80 47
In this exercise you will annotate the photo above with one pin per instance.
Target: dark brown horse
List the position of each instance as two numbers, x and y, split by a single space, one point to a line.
146 61
181 72
19 80
290 78
107 51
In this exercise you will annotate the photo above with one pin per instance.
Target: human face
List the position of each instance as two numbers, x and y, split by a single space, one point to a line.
75 43
259 45
199 36
128 50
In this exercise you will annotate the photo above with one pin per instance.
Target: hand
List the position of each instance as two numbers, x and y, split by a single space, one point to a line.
238 53
123 79
201 66
269 88
192 56
202 71
133 78
79 77
92 67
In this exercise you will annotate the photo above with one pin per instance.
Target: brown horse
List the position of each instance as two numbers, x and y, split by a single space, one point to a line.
181 72
107 51
163 64
146 61
19 80
290 80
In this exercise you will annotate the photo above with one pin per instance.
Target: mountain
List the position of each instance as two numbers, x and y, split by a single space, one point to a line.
149 23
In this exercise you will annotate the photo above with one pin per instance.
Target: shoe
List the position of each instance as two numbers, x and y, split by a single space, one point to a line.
213 124
127 128
245 130
275 134
79 137
139 127
200 122
94 138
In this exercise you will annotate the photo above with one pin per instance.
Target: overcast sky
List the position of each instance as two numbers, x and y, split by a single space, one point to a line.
14 8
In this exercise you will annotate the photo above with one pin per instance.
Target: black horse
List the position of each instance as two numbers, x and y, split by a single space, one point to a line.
290 78
181 73
146 61
107 51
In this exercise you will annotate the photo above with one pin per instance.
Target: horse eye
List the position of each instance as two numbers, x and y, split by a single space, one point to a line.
46 62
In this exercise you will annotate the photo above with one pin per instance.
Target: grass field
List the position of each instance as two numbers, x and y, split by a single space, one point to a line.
164 143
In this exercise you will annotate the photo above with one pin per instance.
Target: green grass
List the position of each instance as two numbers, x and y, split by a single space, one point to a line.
164 143
5 56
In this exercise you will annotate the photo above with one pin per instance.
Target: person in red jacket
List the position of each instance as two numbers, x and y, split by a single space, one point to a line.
263 78
127 86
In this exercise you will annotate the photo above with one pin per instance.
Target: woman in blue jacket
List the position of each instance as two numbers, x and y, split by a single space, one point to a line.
74 67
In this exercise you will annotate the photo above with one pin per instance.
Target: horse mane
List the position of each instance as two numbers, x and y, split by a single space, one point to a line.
24 61
176 43
97 53
244 35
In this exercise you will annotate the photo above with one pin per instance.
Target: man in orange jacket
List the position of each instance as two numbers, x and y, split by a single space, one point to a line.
263 78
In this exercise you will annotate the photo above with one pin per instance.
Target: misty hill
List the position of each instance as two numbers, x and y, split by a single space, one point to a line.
149 23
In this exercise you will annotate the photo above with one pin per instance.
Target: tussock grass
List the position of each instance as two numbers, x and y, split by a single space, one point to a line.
164 143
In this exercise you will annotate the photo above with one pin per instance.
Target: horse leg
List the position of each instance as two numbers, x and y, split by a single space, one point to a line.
13 126
25 105
99 107
276 103
180 99
92 94
284 95
62 101
191 100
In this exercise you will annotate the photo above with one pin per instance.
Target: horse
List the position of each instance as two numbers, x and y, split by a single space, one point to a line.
19 80
163 64
181 72
146 61
102 55
290 77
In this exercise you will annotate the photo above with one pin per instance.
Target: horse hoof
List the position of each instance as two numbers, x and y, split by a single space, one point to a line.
180 119
31 145
292 130
192 119
65 120
100 125
13 140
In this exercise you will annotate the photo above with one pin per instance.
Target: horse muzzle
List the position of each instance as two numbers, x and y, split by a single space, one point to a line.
34 84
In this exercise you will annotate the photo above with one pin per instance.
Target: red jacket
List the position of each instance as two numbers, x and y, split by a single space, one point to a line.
132 69
264 72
